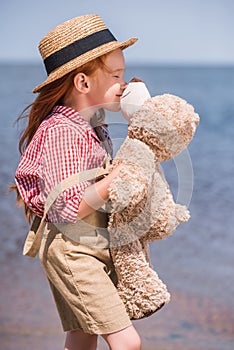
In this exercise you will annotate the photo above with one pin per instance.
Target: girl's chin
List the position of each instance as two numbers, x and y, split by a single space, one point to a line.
113 107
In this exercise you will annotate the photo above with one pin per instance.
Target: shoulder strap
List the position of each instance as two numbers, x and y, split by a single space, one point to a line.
101 136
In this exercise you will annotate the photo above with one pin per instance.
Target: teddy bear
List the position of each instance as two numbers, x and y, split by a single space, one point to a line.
142 208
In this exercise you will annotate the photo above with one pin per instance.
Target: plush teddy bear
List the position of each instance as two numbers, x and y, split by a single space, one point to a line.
142 205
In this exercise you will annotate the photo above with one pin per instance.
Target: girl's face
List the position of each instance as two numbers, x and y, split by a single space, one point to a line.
108 84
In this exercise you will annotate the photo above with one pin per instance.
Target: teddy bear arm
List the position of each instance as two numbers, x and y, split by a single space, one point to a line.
167 222
127 188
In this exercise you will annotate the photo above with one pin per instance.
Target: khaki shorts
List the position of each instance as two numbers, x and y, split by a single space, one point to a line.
82 280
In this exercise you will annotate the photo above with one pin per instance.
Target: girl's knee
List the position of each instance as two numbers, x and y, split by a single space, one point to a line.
134 340
135 343
127 339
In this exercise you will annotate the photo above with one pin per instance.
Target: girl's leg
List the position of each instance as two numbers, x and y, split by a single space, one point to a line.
127 339
78 340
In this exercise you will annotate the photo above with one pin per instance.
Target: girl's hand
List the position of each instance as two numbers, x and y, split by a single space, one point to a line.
97 194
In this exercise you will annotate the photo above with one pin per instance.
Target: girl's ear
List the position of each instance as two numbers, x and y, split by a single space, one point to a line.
81 83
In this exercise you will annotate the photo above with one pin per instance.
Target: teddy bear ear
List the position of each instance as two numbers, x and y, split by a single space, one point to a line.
133 97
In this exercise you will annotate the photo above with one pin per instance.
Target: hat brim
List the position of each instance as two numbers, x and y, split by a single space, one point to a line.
83 59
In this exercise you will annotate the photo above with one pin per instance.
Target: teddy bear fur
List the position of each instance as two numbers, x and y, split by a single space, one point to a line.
142 205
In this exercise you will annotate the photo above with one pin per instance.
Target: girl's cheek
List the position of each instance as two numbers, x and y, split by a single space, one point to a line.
112 91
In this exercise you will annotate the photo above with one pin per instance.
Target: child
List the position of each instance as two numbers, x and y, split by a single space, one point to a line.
85 67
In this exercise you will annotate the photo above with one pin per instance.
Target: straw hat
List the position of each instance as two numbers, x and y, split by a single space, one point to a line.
74 43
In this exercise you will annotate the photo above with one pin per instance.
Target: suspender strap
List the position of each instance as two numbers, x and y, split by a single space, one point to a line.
101 136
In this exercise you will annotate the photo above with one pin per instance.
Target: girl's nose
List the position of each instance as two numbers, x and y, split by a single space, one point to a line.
124 85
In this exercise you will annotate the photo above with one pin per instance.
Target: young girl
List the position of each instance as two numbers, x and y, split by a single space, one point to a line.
85 67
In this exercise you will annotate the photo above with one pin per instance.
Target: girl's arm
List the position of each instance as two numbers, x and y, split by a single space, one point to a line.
97 194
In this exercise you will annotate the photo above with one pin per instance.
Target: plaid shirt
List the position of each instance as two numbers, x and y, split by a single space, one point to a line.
63 145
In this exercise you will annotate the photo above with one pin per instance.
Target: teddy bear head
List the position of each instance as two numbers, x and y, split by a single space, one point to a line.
166 123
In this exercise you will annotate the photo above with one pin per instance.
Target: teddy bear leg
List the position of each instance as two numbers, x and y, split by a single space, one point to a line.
139 286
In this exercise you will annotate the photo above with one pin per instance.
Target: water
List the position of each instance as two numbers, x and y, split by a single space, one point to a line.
196 262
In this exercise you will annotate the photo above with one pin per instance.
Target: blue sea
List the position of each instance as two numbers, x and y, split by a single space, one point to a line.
196 262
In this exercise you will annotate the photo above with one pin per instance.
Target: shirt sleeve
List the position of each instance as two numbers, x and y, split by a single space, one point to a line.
27 177
66 152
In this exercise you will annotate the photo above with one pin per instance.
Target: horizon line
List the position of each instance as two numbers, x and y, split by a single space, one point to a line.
176 63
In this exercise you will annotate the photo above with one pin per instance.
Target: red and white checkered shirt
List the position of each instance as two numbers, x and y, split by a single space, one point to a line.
63 145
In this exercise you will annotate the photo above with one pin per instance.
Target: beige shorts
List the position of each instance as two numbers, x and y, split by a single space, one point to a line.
82 280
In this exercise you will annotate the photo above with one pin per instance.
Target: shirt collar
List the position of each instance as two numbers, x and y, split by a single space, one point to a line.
75 116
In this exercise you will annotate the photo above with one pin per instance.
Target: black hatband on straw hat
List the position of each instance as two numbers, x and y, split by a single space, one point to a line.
78 48
75 43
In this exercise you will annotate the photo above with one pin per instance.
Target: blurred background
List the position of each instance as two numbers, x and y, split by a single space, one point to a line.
186 48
